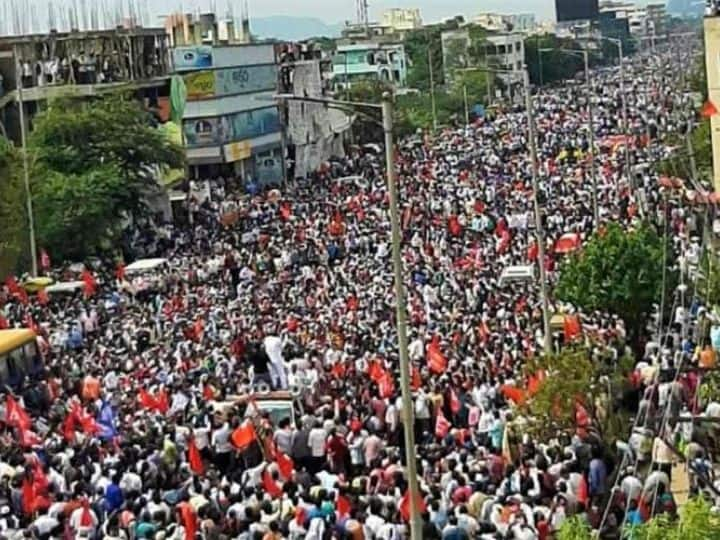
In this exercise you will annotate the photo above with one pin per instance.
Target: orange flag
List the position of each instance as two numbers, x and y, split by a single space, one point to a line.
435 358
194 458
405 505
243 436
270 486
285 464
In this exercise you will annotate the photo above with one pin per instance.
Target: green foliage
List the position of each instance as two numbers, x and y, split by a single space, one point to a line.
91 163
556 64
417 45
574 528
12 208
572 376
617 271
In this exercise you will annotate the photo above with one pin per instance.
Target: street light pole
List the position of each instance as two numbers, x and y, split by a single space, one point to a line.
26 166
467 111
539 231
407 403
401 312
432 88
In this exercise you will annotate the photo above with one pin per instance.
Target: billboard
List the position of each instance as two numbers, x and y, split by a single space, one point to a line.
231 81
187 58
233 127
575 10
200 84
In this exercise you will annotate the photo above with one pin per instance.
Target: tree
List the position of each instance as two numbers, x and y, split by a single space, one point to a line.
679 163
556 65
574 380
12 209
620 272
93 163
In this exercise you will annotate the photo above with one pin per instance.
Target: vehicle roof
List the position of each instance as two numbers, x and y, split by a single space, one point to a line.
65 286
145 264
12 339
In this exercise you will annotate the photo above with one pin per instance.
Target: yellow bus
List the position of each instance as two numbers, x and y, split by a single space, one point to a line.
19 356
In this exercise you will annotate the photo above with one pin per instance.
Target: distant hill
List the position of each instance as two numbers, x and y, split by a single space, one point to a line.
685 7
292 28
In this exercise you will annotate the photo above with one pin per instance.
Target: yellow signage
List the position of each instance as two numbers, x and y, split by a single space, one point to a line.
200 84
237 151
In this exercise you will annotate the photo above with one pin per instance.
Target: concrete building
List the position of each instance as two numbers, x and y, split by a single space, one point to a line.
231 124
314 132
402 20
80 64
712 59
370 61
507 50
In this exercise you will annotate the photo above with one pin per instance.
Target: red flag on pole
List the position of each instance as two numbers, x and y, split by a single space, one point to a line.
28 496
285 464
163 403
189 520
435 358
15 415
147 400
90 283
194 458
405 505
270 486
244 435
708 110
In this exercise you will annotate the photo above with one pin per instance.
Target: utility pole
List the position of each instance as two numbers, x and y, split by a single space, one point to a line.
26 166
591 129
432 88
407 403
539 230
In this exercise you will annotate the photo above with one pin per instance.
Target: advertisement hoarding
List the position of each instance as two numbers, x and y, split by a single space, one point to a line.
230 128
186 58
200 85
231 81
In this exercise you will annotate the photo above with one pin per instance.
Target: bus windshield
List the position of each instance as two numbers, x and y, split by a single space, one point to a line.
19 357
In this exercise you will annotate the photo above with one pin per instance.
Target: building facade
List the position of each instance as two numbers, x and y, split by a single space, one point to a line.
402 20
36 68
356 62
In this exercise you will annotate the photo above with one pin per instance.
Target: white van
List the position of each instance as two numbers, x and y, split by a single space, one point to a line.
517 274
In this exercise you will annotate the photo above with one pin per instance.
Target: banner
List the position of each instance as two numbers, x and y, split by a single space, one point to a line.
237 151
245 79
231 128
200 85
187 58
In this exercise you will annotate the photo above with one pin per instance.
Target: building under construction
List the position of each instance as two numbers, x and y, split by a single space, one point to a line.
36 68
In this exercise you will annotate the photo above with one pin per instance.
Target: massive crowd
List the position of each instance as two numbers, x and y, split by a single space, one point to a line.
121 441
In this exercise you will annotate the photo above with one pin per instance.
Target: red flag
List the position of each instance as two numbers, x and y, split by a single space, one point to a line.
28 496
163 404
405 505
29 438
342 506
90 283
454 226
300 515
571 327
435 358
42 297
270 486
12 285
69 428
120 272
147 400
208 393
244 435
194 458
532 252
22 296
44 260
285 464
87 422
375 371
285 211
41 482
416 380
442 426
189 520
454 402
15 415
709 110
338 370
513 393
386 385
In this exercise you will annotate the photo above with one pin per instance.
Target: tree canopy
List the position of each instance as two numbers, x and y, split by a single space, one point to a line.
92 164
12 207
617 271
